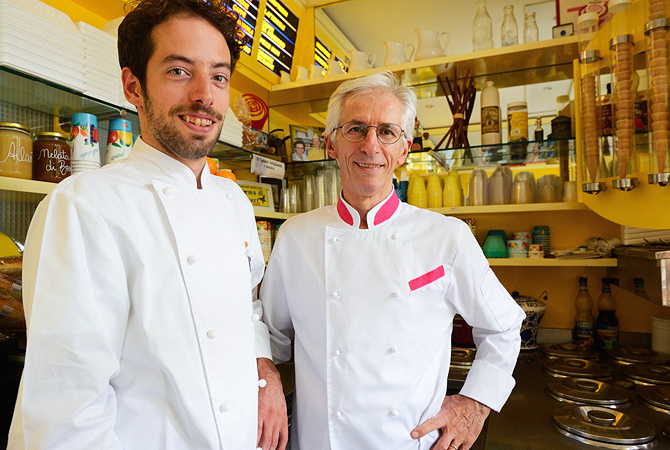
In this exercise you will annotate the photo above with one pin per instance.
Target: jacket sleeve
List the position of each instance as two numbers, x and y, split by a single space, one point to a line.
77 306
496 320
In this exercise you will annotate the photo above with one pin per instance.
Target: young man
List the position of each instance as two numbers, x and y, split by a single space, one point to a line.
368 290
138 276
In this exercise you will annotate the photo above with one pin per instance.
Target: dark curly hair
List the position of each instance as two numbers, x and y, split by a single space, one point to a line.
136 46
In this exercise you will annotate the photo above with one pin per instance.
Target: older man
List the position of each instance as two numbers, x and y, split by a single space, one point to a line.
368 288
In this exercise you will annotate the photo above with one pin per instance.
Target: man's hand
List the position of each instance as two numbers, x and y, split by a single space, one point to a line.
461 420
272 417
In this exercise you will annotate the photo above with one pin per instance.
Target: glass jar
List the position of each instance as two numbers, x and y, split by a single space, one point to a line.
509 31
517 121
16 151
482 31
530 31
51 157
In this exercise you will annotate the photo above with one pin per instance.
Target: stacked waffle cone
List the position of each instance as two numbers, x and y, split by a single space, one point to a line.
590 125
625 114
658 74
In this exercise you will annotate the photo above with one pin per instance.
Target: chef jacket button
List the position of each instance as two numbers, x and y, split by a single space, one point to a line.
167 191
225 407
396 294
393 349
393 412
211 334
192 259
338 352
255 317
338 414
395 237
336 239
262 383
336 294
250 252
229 196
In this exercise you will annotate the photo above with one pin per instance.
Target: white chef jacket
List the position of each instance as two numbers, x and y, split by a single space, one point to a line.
141 329
372 311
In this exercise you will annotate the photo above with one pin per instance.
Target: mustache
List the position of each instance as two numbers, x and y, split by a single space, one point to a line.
197 108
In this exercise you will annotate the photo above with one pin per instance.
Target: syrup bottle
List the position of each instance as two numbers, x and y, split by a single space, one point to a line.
584 331
607 323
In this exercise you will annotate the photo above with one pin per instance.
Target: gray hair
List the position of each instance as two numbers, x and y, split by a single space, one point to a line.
378 83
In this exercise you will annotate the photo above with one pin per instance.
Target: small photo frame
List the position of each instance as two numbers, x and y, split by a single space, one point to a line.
307 144
260 194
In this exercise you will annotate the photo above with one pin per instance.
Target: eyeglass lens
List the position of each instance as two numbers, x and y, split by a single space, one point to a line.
387 133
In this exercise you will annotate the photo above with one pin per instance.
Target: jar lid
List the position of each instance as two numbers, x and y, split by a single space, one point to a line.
620 39
587 20
18 126
589 56
517 104
616 6
654 24
49 134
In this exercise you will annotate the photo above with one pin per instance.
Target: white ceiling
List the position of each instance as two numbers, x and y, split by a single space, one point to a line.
368 23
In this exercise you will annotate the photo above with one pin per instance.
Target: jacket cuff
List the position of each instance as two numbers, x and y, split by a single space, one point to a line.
488 384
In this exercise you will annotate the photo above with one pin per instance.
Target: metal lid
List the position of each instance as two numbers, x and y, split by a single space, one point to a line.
620 39
656 23
647 374
655 397
569 350
573 367
604 427
49 134
16 126
517 104
589 56
632 355
462 356
587 391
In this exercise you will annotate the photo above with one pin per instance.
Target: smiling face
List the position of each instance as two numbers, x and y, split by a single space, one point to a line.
367 167
186 93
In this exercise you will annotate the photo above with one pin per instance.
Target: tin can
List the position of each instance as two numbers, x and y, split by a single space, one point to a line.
517 121
51 157
16 151
84 143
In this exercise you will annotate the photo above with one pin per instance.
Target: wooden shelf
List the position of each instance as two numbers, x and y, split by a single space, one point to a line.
29 186
552 262
497 209
264 214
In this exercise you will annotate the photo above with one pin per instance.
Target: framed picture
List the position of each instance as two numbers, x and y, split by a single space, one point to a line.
307 144
260 194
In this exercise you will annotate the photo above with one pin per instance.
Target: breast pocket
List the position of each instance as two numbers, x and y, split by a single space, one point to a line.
427 278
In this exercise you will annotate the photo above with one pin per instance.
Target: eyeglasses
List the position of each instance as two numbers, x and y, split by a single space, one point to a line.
387 133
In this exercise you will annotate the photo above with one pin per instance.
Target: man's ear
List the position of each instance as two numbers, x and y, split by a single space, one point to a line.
330 147
131 88
405 151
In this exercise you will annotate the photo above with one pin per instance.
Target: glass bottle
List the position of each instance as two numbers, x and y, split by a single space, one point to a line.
482 30
584 330
509 31
607 323
530 31
490 114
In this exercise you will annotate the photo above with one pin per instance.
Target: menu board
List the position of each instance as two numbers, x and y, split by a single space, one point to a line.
247 16
278 33
321 53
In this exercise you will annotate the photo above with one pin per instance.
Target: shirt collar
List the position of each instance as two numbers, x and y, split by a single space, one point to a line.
158 165
379 214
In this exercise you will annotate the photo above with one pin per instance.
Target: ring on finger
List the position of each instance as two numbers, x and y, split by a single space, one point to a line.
453 446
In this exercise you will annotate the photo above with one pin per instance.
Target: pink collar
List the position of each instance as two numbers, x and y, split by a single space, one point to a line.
378 214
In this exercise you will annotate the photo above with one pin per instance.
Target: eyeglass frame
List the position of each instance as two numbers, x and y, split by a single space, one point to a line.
367 127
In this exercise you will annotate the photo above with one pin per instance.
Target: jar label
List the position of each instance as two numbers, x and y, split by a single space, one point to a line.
490 119
517 122
608 336
16 154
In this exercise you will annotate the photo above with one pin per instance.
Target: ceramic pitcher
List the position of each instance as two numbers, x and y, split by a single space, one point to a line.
361 60
334 67
430 44
396 52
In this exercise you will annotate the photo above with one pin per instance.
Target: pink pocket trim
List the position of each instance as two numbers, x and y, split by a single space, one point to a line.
426 278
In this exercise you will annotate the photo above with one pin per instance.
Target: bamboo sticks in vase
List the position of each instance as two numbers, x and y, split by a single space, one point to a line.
461 104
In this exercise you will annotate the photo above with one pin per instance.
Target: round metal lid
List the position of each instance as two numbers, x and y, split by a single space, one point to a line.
573 367
604 427
656 397
647 374
591 392
638 356
569 350
462 356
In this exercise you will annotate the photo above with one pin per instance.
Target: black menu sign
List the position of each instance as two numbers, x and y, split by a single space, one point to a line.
321 53
278 33
247 16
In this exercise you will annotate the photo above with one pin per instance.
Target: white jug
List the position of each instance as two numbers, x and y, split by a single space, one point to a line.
361 60
334 67
396 53
315 71
430 44
303 74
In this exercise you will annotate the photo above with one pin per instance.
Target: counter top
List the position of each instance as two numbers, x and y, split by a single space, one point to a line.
525 420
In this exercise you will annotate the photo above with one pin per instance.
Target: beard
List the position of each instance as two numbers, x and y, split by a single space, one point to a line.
174 142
